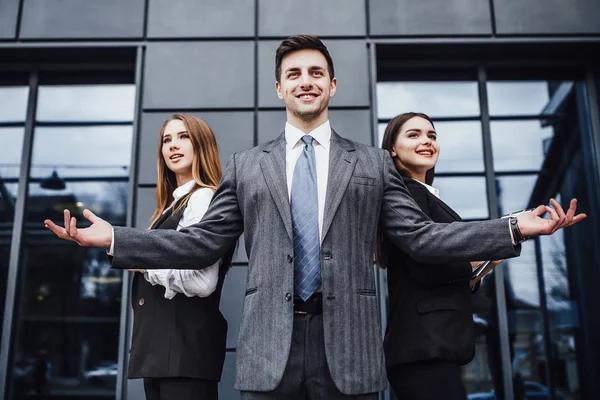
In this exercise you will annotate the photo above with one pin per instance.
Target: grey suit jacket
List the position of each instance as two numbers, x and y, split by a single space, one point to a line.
363 190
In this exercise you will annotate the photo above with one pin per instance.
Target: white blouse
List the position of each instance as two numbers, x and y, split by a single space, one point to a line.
193 282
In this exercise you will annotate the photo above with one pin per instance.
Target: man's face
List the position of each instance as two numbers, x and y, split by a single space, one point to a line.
305 85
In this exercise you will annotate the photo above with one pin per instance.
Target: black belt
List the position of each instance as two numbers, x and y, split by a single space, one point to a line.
312 305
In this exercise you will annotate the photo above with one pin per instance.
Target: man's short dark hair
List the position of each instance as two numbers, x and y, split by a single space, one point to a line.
301 42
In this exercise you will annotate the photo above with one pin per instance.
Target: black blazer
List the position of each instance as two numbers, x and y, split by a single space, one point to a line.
430 315
181 337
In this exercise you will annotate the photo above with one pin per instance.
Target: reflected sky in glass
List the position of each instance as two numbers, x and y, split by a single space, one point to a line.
13 103
514 192
522 275
10 151
461 146
466 195
555 271
519 145
82 151
436 99
86 103
517 98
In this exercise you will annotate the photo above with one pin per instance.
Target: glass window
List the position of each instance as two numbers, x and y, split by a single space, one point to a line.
86 103
520 145
513 192
10 154
517 98
68 318
436 99
85 149
13 103
466 195
461 146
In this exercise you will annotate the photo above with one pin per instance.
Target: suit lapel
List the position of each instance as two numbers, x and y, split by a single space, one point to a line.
342 161
449 210
273 168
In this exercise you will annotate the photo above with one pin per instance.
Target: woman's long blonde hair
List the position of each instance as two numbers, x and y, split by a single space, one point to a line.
206 166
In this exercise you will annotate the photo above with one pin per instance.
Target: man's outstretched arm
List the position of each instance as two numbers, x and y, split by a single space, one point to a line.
425 241
195 247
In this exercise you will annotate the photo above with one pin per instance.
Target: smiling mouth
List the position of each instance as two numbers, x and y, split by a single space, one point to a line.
307 96
425 153
176 157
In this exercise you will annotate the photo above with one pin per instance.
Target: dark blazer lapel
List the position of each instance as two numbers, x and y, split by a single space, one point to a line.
273 168
342 161
447 208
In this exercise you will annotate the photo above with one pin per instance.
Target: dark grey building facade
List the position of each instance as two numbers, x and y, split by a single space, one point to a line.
85 86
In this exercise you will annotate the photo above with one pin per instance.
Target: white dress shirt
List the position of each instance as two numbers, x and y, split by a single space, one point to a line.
191 283
431 189
293 150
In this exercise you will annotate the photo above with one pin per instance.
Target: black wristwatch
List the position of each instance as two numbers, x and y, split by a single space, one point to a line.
514 227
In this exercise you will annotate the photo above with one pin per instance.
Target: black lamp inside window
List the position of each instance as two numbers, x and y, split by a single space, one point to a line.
53 182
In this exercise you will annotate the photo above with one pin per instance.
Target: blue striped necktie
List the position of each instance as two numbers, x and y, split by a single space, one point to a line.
305 223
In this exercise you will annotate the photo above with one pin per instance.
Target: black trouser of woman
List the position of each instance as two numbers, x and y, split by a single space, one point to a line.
180 389
427 380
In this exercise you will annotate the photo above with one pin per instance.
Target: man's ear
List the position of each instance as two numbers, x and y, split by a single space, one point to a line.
278 88
332 87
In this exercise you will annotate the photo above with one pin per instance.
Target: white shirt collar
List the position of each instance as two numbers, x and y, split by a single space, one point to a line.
321 134
431 189
183 190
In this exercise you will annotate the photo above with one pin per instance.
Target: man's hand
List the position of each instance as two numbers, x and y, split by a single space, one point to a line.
97 235
531 223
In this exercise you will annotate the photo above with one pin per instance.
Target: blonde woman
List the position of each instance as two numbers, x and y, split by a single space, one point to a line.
179 334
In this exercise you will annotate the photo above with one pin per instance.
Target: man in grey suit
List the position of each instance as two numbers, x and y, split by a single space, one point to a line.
309 203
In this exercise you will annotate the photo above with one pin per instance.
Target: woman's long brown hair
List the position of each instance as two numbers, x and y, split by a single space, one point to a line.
392 130
206 166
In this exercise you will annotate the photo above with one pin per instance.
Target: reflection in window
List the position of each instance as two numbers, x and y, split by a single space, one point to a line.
92 151
461 146
13 103
517 98
466 195
69 314
86 103
513 192
436 99
520 145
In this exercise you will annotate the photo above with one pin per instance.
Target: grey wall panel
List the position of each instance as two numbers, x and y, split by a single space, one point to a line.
9 12
145 206
323 18
547 17
350 60
200 18
432 17
351 124
232 302
234 132
226 390
54 19
199 75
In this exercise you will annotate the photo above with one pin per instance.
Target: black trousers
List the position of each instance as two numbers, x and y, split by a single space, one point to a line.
427 380
306 375
180 389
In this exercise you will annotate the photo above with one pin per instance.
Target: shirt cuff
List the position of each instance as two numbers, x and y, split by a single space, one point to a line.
111 250
512 237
